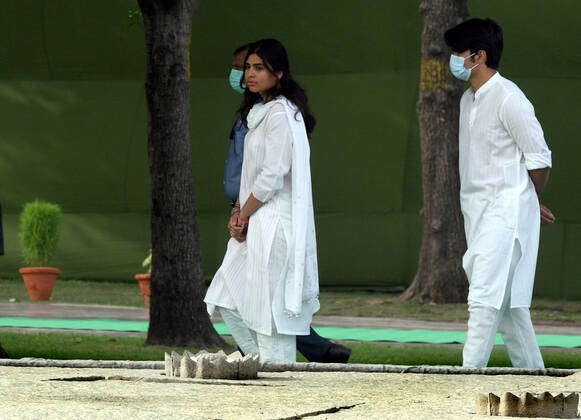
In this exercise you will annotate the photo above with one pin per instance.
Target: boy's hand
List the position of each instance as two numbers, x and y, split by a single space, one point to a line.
547 216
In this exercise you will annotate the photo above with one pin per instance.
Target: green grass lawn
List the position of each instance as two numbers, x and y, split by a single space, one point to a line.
79 292
373 304
70 346
333 302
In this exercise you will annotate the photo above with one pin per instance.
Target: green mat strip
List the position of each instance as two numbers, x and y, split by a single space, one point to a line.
335 333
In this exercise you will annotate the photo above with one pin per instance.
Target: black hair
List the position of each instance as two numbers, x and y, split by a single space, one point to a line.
241 48
476 35
275 59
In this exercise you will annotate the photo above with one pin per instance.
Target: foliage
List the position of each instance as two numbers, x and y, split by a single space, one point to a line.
135 18
147 261
39 232
75 346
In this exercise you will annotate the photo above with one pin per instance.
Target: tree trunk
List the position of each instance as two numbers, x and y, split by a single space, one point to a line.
440 277
177 313
3 354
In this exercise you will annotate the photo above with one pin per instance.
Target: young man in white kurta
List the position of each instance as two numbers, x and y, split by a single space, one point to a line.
500 141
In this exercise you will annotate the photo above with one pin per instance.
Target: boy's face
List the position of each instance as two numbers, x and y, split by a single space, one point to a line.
238 60
472 59
468 61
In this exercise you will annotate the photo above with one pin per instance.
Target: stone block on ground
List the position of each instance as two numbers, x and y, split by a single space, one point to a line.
529 405
188 366
168 365
248 367
206 365
176 360
225 368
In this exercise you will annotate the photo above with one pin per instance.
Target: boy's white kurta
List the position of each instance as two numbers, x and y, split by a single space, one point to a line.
264 281
500 141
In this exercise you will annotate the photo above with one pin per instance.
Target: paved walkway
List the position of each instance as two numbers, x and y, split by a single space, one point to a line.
65 393
55 310
71 393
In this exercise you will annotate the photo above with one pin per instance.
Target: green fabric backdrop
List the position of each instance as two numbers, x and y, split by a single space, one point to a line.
74 127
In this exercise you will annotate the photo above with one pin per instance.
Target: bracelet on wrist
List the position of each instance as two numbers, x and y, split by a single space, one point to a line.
235 209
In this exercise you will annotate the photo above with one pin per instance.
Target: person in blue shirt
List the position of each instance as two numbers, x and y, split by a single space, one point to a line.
314 347
233 167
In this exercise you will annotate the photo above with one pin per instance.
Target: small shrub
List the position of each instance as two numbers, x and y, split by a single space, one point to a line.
147 262
39 232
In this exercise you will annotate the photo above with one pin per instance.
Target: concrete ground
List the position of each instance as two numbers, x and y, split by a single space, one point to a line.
66 393
69 393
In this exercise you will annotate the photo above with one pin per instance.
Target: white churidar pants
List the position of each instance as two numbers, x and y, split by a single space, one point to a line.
513 323
271 348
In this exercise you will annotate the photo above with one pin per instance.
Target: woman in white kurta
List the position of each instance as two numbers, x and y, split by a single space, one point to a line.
267 286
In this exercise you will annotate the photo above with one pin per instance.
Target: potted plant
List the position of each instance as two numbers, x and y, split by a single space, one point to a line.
39 233
145 279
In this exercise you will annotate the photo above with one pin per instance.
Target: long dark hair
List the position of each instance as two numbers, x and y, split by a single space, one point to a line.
275 59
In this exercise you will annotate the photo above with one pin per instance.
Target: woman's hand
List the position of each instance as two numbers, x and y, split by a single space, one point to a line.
237 227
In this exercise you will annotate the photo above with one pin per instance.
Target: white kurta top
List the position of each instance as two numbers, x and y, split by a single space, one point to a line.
273 276
500 140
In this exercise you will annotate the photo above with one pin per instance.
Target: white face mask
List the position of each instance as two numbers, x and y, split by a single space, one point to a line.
457 67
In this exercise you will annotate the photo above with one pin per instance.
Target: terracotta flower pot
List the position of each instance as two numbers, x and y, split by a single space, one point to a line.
39 281
145 286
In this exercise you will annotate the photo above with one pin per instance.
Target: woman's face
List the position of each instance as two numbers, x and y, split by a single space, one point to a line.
257 77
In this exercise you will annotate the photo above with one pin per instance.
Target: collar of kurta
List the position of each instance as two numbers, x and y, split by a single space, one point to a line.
487 85
259 111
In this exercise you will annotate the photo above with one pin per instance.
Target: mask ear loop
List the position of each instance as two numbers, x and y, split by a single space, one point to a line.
473 67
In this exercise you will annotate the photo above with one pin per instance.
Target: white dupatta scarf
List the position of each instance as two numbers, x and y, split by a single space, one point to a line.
305 284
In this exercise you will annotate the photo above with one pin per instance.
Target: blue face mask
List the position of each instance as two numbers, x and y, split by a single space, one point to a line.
235 78
457 67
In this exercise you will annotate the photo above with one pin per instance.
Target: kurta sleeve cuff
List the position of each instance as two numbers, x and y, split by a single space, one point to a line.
538 160
266 184
262 195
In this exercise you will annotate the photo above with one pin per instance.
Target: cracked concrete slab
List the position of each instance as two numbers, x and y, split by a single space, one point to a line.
67 393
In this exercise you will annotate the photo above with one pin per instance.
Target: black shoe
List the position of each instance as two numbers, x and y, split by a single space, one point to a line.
336 354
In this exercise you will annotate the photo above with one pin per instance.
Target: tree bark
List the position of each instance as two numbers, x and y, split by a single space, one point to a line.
440 277
177 312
